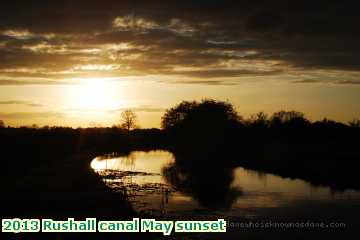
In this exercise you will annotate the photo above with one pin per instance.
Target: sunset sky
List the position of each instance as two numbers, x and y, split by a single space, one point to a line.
80 63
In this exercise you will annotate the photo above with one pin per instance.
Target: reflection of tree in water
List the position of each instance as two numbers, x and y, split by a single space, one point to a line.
209 184
165 194
129 160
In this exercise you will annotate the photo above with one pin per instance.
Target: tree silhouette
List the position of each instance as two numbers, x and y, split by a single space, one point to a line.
286 116
259 119
289 118
194 114
203 126
355 123
128 120
174 116
2 124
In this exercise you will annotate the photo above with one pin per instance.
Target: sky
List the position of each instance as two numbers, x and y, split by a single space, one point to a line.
81 63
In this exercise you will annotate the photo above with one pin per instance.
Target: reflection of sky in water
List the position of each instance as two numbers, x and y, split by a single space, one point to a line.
140 174
138 161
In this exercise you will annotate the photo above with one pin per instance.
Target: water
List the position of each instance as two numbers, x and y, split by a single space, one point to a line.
156 185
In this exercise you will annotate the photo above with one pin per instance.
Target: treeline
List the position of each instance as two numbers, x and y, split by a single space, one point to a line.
208 132
216 124
212 134
323 152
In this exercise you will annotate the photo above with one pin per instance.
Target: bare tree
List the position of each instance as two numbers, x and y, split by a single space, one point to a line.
128 119
355 123
286 116
259 119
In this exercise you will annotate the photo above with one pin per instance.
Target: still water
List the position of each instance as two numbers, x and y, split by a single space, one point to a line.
155 185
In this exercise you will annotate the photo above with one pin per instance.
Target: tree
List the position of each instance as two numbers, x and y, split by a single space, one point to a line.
355 123
207 113
259 119
286 116
174 116
2 124
204 126
128 120
289 118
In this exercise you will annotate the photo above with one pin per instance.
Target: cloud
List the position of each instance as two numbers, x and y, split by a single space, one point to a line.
337 82
351 82
216 73
133 22
27 115
29 82
19 102
204 82
307 81
221 39
145 108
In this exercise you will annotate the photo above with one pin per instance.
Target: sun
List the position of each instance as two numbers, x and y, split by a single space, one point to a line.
95 94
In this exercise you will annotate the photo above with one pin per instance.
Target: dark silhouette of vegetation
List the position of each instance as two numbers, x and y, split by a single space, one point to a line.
355 123
209 185
286 143
200 126
2 124
291 119
259 120
44 167
128 120
46 171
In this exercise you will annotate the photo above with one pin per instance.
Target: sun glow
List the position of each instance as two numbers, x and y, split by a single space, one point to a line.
96 94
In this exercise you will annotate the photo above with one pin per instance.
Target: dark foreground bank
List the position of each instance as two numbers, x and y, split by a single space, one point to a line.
46 174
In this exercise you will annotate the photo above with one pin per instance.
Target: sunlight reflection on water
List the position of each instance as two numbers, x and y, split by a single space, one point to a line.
141 176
